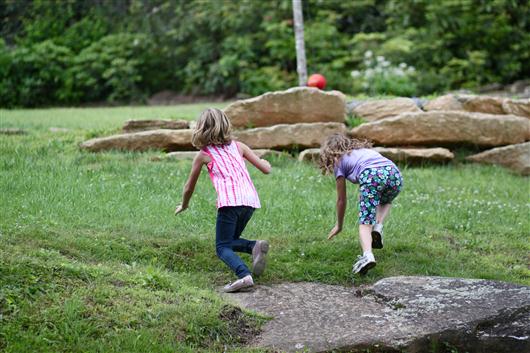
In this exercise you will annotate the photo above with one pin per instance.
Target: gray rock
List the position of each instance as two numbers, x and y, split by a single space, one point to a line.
412 314
12 131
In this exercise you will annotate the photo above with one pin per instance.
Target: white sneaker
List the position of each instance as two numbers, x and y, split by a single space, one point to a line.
259 257
364 263
377 236
241 284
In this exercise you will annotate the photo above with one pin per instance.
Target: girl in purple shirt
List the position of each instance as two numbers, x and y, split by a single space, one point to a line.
379 182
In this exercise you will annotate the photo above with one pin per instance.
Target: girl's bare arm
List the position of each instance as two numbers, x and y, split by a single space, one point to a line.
189 187
262 165
341 206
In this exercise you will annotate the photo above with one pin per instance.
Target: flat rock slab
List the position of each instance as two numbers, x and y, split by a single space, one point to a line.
412 314
446 128
514 157
183 155
12 131
145 125
405 155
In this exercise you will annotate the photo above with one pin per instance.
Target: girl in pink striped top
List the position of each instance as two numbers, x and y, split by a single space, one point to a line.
236 195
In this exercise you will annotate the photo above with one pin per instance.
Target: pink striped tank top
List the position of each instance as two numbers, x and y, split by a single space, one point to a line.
230 177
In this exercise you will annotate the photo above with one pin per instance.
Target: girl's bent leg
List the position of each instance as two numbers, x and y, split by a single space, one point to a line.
382 212
227 218
365 237
240 244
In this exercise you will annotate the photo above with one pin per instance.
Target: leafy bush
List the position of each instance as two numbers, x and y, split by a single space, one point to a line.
380 77
34 75
270 78
113 68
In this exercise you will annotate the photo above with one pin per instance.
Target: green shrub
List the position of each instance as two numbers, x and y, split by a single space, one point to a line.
256 81
33 75
114 68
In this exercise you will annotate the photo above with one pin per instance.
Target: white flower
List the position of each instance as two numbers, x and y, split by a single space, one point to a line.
369 73
380 59
385 63
402 66
368 54
355 73
399 72
136 42
365 85
411 70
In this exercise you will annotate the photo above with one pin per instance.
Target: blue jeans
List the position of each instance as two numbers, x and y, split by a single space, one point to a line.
231 222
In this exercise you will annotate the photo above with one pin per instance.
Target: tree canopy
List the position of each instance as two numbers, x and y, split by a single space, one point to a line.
55 52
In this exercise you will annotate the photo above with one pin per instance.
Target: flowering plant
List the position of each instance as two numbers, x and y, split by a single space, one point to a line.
381 77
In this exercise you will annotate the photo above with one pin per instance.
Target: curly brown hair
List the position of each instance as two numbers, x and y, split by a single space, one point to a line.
213 128
335 147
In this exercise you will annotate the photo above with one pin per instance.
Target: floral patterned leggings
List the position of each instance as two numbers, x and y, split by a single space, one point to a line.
377 186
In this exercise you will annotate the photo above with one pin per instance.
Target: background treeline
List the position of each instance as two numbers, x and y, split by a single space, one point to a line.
57 52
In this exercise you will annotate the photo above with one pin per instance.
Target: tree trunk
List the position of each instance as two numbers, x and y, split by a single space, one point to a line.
301 65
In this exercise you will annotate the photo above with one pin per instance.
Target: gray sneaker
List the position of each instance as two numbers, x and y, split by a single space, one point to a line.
377 236
259 257
363 264
241 284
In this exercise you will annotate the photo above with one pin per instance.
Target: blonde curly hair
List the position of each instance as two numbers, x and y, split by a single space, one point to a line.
213 128
335 147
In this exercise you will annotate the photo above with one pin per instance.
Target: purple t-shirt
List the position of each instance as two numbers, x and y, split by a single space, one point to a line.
352 164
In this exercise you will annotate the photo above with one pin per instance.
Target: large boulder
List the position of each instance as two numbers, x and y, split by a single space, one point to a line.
373 110
296 105
446 128
396 314
514 157
289 136
519 107
145 125
406 155
167 140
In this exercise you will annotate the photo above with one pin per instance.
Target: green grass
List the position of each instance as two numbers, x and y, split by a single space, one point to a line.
92 258
96 118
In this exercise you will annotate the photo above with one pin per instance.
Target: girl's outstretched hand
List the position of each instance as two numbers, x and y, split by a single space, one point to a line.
336 230
179 209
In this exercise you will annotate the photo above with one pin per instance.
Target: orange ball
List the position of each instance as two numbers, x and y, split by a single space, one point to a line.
316 80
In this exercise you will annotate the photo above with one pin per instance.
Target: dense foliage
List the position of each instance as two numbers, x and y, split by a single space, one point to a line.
73 51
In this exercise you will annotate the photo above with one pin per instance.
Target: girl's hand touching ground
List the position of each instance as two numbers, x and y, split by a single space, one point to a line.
179 209
336 230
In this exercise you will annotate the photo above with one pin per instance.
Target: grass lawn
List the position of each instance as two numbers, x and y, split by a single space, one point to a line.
92 258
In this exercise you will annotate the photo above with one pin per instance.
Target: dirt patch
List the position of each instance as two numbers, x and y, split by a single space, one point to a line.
242 327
